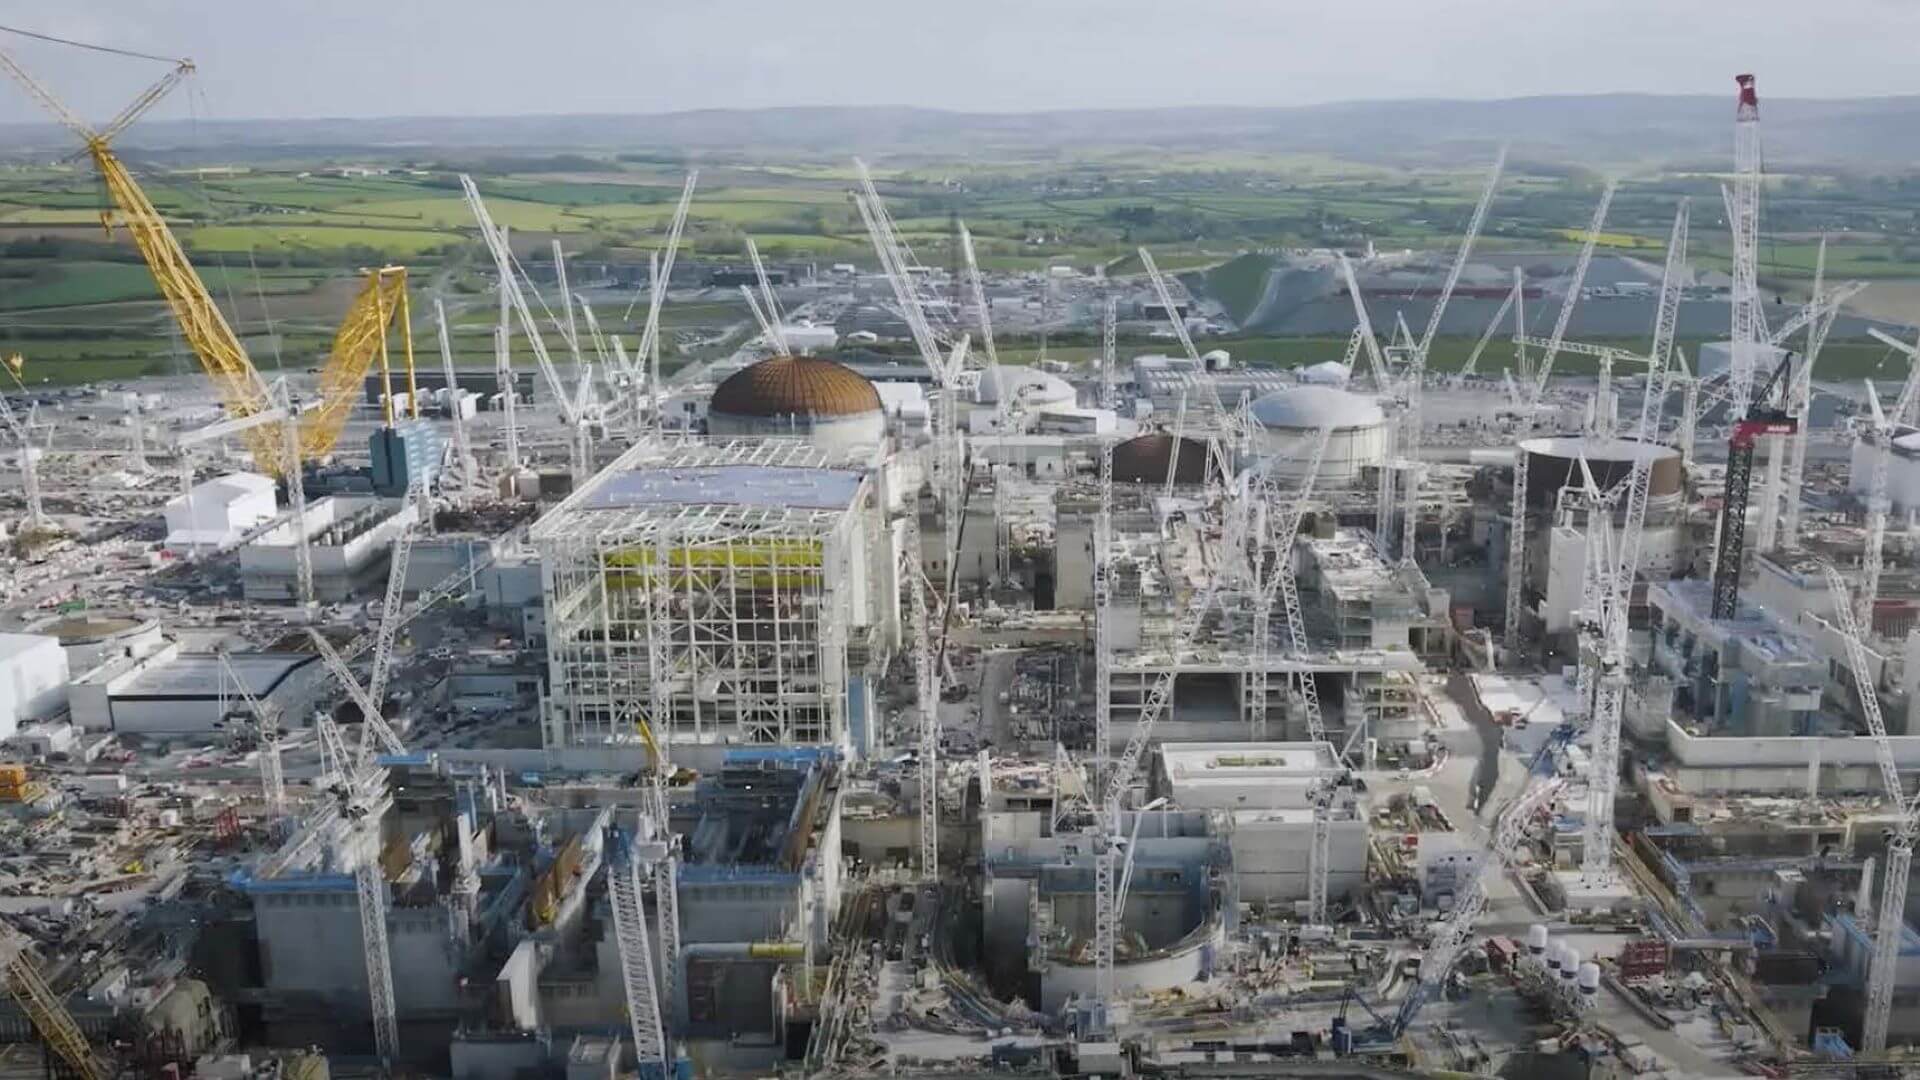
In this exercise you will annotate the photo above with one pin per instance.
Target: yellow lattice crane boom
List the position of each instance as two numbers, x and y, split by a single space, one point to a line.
362 339
240 386
44 1007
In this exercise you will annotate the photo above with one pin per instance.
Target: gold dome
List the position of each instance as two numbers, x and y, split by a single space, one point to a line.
795 386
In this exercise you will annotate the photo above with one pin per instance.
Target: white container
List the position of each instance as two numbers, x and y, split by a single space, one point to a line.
1537 938
1588 979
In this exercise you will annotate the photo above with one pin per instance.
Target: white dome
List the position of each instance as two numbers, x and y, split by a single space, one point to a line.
1324 373
1023 386
1311 407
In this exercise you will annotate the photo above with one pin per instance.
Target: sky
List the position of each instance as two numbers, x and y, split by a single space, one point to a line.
278 59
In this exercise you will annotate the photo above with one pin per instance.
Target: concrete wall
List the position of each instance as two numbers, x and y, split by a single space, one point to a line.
310 945
268 566
1061 982
1270 857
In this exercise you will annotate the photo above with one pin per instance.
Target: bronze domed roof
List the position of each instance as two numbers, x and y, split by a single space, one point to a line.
795 386
1143 459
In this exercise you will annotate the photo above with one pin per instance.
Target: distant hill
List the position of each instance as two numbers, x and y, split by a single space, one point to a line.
1683 131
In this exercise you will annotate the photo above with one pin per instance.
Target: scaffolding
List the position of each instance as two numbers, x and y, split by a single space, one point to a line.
711 591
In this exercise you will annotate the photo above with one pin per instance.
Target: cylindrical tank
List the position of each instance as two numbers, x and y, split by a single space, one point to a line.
1553 462
1589 979
1553 956
1569 963
1537 939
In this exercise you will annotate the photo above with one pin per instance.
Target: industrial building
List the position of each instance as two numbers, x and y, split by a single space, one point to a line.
217 513
723 594
348 540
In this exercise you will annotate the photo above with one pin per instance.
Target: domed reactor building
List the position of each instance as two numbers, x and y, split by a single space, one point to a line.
827 403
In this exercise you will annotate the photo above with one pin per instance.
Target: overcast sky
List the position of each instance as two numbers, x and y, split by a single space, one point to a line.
304 58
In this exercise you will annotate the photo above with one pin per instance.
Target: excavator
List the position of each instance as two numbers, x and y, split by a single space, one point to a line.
361 338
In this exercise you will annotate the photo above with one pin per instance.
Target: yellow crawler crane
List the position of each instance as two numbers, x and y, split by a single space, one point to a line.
361 339
240 386
44 1007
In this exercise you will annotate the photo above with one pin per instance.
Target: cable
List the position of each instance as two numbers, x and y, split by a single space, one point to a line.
88 45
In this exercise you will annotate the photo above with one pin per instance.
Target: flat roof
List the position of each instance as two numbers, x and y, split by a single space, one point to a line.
12 645
726 485
1241 761
194 676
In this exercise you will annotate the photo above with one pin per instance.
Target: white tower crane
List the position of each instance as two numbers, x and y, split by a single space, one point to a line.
516 300
926 677
1571 298
1109 357
1884 426
1883 963
266 722
1743 220
1414 376
626 857
36 519
395 599
462 450
657 282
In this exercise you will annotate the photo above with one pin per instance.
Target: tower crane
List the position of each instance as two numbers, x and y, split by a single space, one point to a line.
1437 961
1412 382
627 856
1884 426
897 261
395 599
514 299
1276 551
978 289
1883 962
1220 464
1801 402
926 684
266 721
462 449
658 279
1572 297
36 519
1109 356
1743 220
1763 416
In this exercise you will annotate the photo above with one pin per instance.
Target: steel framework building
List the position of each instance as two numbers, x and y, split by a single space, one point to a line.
716 592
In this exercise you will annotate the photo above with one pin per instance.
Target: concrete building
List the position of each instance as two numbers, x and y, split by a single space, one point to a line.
1744 676
218 512
726 593
91 640
1265 794
170 692
33 680
349 538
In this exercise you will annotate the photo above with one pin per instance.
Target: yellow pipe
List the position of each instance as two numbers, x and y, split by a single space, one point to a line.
777 950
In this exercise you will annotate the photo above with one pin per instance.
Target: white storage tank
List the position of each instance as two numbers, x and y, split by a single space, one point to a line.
1536 939
1588 980
1292 419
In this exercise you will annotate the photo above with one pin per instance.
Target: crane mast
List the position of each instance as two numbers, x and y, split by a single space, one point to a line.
462 450
1572 296
624 864
1108 355
926 678
46 1010
1885 426
1743 204
1885 955
273 784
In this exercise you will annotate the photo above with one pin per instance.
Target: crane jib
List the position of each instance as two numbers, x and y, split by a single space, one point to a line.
1746 431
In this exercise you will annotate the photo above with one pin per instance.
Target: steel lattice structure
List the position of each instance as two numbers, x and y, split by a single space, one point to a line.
710 591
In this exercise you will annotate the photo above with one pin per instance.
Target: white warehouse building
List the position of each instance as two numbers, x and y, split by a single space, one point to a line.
218 512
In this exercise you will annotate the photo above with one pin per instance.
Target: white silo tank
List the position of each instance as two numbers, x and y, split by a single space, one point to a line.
1554 949
1537 939
1569 964
1588 979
